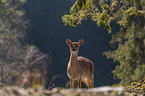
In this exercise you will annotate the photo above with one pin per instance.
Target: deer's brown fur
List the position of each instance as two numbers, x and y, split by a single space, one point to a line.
79 68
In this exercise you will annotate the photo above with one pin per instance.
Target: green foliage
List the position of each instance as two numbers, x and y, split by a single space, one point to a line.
9 35
136 88
129 12
17 58
130 40
83 9
129 54
78 12
139 72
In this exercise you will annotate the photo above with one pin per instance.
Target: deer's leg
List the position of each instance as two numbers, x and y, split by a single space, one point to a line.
71 83
79 83
91 84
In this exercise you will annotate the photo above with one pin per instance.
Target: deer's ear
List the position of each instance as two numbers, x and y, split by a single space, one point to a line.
68 41
81 42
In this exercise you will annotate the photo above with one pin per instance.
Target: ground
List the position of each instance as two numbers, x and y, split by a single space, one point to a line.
99 91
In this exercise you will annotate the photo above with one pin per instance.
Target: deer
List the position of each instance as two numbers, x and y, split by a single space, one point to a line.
79 68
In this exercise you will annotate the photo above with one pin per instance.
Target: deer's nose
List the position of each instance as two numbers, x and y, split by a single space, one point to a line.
73 49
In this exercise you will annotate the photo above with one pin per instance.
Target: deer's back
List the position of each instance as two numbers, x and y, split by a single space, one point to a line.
86 63
87 68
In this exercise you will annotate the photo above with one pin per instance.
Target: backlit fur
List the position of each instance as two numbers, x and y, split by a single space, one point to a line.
79 68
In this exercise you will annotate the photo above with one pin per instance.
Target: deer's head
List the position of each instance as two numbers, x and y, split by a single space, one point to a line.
74 46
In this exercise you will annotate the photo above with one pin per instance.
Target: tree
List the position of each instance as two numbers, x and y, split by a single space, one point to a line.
129 41
20 63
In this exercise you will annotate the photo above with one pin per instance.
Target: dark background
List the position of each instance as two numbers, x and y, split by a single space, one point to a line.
48 32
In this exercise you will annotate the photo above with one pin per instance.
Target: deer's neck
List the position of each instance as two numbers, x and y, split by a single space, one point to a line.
73 60
73 56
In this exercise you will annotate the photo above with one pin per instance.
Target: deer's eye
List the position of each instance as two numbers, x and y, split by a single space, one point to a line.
71 45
